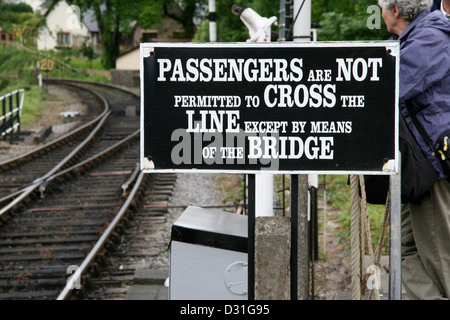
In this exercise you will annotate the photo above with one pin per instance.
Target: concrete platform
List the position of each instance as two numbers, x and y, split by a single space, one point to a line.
149 285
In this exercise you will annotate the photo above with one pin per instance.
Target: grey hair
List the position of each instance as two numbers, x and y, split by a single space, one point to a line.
409 9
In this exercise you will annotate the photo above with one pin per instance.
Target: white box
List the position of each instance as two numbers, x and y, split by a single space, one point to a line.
208 256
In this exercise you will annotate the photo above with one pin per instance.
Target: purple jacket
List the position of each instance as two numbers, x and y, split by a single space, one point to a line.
425 77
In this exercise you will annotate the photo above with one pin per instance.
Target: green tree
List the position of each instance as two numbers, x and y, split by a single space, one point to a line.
19 7
20 21
184 12
347 20
230 27
115 17
339 20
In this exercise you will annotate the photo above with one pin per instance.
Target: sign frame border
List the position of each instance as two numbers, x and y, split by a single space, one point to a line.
391 168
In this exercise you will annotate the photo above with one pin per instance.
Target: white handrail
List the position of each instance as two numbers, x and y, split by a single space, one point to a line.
10 113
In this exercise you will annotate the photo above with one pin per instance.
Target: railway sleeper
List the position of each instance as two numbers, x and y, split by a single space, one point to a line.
27 295
27 241
42 257
83 247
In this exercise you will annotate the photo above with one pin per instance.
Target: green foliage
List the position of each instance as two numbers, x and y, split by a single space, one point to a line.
12 59
4 83
336 26
20 21
231 188
150 14
88 52
184 12
33 102
338 191
202 34
229 27
340 20
115 18
20 7
87 64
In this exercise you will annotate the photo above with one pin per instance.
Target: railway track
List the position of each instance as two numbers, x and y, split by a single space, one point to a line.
42 162
80 206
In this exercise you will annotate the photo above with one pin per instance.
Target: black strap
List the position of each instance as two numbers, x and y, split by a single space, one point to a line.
418 125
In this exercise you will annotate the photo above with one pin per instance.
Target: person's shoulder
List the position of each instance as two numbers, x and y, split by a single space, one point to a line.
434 19
433 26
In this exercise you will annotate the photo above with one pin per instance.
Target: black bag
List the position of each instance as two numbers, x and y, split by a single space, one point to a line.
417 173
443 152
440 148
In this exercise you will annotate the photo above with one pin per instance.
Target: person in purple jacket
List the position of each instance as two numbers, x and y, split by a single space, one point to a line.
425 85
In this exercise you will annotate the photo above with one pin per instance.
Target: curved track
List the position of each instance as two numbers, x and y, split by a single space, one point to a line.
68 215
38 164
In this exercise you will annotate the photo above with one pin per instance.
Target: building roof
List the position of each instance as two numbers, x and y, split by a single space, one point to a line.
46 7
89 20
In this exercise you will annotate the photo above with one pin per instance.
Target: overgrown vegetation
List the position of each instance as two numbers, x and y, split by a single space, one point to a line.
18 69
34 98
337 20
338 196
231 187
19 21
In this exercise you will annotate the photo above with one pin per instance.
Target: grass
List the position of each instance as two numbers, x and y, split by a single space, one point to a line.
231 187
14 59
86 64
34 98
338 196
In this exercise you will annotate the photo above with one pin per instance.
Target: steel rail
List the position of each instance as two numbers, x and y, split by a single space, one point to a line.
88 162
17 197
100 244
59 172
64 137
128 184
108 85
136 176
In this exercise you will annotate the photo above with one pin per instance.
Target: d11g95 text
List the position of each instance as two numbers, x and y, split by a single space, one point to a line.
251 309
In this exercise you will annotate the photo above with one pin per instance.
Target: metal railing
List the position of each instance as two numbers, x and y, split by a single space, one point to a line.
10 117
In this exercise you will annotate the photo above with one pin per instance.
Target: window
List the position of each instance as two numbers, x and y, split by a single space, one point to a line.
63 38
5 36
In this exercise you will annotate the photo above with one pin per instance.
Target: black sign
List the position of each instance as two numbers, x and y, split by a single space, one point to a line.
279 108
